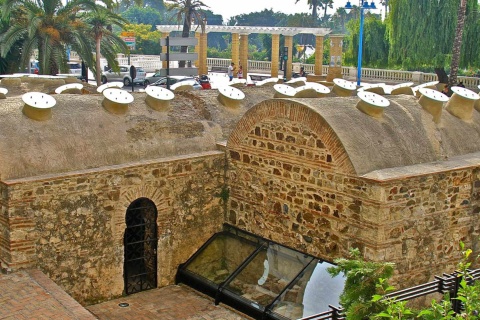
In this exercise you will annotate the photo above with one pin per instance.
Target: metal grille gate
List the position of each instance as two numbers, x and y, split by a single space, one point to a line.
140 243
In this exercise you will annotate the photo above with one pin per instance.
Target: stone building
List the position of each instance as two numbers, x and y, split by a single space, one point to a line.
317 175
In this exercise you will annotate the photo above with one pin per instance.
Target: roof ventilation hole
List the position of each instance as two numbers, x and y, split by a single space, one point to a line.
186 85
372 104
230 96
3 93
461 103
378 88
432 101
429 85
403 88
312 90
38 105
284 91
116 84
71 88
158 98
267 82
116 101
343 88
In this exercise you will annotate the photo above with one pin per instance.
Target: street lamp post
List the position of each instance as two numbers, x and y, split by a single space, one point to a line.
363 6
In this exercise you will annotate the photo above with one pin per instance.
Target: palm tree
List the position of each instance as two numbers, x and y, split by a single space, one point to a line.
385 4
457 43
187 11
315 4
47 26
100 22
325 4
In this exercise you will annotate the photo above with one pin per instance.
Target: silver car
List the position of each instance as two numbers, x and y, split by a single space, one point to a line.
152 78
162 82
124 76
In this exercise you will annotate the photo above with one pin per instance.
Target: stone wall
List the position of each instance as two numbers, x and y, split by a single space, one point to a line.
290 181
424 218
71 226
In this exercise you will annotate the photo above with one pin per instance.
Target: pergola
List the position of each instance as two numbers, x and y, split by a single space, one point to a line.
240 45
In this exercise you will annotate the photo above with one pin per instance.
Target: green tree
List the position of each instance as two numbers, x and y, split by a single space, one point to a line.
325 4
470 57
264 18
47 26
143 15
314 5
186 12
362 284
147 41
106 42
8 62
421 33
155 4
376 47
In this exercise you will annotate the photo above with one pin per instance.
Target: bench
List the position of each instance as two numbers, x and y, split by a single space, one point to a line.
219 69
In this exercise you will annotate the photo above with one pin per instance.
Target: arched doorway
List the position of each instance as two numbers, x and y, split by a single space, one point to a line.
140 245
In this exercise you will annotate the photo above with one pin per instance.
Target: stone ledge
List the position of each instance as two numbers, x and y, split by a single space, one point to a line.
471 160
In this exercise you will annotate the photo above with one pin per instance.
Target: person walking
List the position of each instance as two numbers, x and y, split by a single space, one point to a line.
231 69
240 72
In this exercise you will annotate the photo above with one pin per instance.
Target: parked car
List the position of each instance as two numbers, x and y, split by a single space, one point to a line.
75 68
124 76
175 79
152 78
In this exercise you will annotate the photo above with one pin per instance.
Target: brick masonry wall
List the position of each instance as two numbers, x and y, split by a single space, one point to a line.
290 182
71 227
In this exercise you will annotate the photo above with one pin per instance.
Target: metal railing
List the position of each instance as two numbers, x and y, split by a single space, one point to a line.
334 313
152 63
447 283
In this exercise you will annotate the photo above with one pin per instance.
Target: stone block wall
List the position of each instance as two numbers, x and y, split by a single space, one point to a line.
424 218
290 182
71 226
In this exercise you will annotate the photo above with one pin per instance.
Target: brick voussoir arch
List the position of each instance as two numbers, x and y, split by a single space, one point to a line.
298 112
126 198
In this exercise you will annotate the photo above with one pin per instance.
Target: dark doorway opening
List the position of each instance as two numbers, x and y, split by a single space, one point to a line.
140 245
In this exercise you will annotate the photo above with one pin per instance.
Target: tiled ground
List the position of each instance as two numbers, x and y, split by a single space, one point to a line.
32 295
168 303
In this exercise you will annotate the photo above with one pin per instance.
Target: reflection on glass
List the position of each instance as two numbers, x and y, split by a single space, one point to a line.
221 257
271 270
311 294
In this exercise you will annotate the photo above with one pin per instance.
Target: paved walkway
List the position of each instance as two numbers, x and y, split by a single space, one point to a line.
32 295
168 303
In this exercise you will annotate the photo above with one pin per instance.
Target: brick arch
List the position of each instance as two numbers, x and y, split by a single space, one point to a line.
287 171
295 112
126 197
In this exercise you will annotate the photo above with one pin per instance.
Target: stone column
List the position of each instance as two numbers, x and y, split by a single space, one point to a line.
164 50
318 55
244 54
289 44
198 50
235 47
202 57
335 65
275 54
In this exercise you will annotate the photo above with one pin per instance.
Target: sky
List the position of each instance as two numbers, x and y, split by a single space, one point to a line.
229 8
